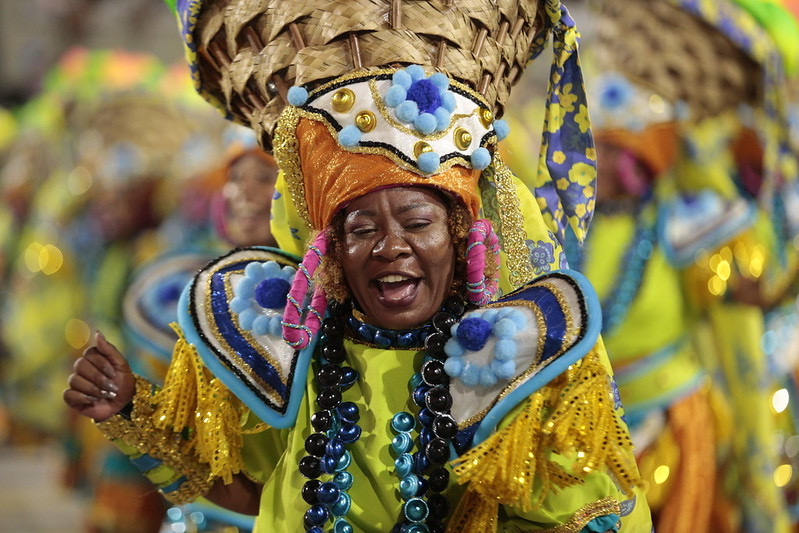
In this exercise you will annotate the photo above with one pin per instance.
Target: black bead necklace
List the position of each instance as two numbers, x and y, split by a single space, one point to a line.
423 476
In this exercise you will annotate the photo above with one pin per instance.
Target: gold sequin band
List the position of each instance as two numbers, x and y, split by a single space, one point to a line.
511 225
163 456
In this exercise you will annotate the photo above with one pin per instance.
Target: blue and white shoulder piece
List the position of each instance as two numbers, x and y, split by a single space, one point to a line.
502 353
231 312
690 223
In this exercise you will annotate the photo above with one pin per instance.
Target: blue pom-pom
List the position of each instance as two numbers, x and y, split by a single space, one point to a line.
271 293
245 286
504 369
425 94
407 111
443 118
481 158
505 312
490 315
520 319
453 366
395 96
428 162
416 72
448 101
297 96
453 348
504 328
440 80
349 136
425 123
505 350
487 377
470 375
402 78
501 128
275 326
271 269
254 270
288 272
473 333
260 326
237 304
246 318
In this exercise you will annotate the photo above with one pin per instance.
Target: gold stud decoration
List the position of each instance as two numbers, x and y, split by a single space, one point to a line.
486 117
343 100
462 138
365 121
420 148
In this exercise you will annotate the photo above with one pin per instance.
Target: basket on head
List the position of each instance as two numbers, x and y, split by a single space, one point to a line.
247 54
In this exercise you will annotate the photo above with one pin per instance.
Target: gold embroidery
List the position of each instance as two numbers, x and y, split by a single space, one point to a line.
512 225
578 521
384 112
286 150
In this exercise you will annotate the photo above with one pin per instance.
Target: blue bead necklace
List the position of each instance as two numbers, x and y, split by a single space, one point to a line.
422 475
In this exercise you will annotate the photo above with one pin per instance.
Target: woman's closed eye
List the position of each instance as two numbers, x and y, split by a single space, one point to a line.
417 224
361 231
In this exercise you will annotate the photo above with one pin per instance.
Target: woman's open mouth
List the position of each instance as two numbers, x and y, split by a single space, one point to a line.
396 290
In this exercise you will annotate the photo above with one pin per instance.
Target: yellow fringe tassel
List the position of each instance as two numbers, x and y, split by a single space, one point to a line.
573 416
195 404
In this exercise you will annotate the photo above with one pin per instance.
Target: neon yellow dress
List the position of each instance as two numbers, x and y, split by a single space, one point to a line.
583 475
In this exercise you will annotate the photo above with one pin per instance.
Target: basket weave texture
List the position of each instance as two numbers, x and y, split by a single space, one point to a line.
677 55
251 51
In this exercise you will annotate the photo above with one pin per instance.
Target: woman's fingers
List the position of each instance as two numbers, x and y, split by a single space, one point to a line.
111 353
95 368
101 383
91 382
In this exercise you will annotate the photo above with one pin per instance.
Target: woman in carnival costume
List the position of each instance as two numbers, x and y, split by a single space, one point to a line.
710 225
379 386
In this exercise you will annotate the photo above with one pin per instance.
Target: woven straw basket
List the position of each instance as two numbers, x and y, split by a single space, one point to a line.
677 55
251 51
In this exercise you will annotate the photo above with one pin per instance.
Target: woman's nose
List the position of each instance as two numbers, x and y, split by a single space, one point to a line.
392 246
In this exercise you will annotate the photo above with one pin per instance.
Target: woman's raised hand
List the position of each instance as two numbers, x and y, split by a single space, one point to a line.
101 383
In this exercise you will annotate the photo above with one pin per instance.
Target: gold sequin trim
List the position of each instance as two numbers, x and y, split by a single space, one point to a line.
167 446
572 416
287 153
512 225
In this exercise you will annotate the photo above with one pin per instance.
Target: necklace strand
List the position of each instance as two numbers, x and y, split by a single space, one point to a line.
422 474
